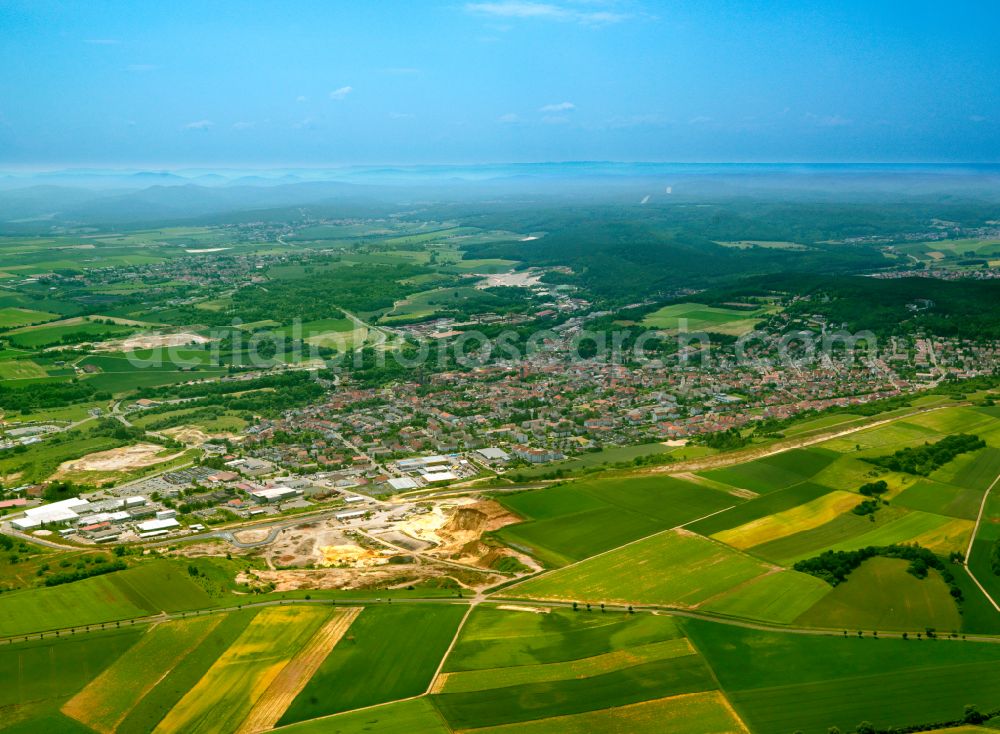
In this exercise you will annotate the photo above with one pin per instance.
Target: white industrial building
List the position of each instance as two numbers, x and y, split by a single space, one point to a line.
401 483
423 463
433 477
156 526
275 494
494 454
64 512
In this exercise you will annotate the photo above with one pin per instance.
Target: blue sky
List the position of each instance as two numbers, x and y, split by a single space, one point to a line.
325 83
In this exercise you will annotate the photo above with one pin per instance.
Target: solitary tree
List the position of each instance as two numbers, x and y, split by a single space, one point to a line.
972 715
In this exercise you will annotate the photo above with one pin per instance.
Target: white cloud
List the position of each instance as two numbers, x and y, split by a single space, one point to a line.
555 120
544 11
306 123
699 120
199 125
341 93
509 118
302 98
977 118
401 70
401 115
244 125
102 41
140 68
558 107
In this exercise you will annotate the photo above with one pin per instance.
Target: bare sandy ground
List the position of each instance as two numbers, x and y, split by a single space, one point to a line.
522 279
379 579
193 436
349 554
116 460
150 341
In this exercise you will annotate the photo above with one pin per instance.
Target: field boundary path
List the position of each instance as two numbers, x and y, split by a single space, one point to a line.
432 686
972 540
741 457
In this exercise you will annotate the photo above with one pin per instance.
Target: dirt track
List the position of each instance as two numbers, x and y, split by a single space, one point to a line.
740 457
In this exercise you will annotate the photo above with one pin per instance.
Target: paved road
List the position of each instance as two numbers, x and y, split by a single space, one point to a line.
6 529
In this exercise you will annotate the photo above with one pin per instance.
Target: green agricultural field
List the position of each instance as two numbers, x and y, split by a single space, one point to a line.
136 592
954 248
881 439
760 507
781 683
211 419
881 595
978 613
777 597
364 668
953 420
608 456
483 266
850 472
40 675
802 518
985 546
503 638
21 369
574 521
823 423
415 716
779 471
930 530
41 459
127 377
13 317
673 568
110 697
975 471
167 358
314 328
641 682
568 670
699 317
940 498
83 331
427 303
147 712
693 713
812 542
244 671
481 680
